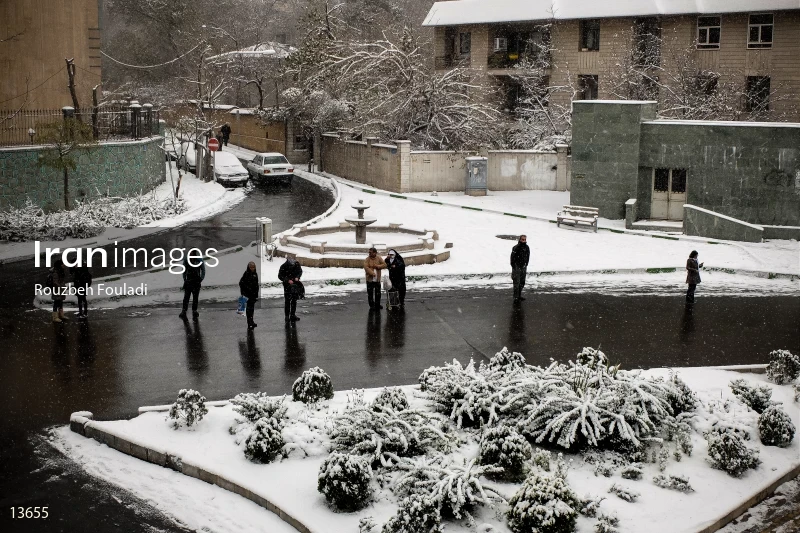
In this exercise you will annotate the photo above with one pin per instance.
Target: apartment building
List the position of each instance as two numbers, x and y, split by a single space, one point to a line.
680 50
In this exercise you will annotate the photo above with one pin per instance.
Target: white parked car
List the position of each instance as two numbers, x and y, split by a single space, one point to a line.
270 167
228 169
186 156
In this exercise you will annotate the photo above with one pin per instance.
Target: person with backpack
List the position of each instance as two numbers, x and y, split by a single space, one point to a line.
57 281
248 287
194 272
290 273
82 280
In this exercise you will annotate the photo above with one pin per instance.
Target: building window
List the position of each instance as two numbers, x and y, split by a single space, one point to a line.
708 32
590 35
300 142
500 44
587 87
759 31
647 42
464 43
757 92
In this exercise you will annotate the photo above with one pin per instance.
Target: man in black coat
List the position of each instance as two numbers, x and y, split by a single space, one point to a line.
248 287
290 273
226 134
397 274
194 272
520 255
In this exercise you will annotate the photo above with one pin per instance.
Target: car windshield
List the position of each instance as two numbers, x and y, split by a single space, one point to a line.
275 160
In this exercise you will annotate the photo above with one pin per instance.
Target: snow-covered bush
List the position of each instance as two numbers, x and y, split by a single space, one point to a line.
679 483
681 398
796 387
190 407
506 361
384 436
633 472
543 504
607 524
344 479
592 358
462 393
624 493
783 367
417 514
265 442
391 397
727 452
602 469
312 386
502 446
255 405
756 398
590 505
775 427
541 458
663 458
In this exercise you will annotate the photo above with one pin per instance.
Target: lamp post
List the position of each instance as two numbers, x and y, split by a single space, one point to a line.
31 133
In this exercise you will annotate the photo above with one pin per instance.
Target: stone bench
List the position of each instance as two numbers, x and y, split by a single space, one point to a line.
574 215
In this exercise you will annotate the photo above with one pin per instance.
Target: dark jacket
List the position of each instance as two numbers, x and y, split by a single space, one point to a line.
192 274
692 271
57 279
397 270
81 277
289 271
226 131
248 285
520 255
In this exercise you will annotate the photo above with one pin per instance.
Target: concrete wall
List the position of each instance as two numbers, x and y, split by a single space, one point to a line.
116 169
437 171
377 165
522 170
704 223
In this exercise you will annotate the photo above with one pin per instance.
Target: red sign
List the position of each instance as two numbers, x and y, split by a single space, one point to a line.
213 144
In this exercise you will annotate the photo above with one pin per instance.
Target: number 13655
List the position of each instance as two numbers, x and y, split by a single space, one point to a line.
29 512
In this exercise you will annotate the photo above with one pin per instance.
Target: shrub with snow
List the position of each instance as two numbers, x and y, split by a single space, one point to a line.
727 452
775 427
344 479
312 386
190 407
541 458
681 398
543 504
503 447
391 397
265 442
590 506
607 524
417 514
462 393
756 398
624 493
255 405
783 367
506 361
633 472
679 483
796 387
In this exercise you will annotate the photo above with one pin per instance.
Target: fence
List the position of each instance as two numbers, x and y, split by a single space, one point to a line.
108 122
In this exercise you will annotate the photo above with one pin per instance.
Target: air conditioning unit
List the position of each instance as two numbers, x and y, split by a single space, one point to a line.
500 44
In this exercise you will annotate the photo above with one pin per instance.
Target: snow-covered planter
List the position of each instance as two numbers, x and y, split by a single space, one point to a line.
265 442
543 504
727 452
344 480
756 397
624 493
775 427
503 447
392 398
256 405
417 514
189 408
679 483
783 367
312 386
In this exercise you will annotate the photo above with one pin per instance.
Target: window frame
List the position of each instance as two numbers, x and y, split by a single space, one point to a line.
760 45
464 37
707 45
583 32
582 86
497 42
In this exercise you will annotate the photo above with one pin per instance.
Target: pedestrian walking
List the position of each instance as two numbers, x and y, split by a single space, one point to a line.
82 280
290 273
520 255
220 138
397 274
194 272
692 276
57 281
226 133
248 286
373 266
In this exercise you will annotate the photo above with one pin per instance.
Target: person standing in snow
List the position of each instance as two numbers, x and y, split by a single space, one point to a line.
372 267
226 133
194 272
219 138
397 274
82 280
57 281
290 273
692 276
248 286
520 255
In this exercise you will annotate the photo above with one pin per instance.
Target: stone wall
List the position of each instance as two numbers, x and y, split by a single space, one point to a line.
705 223
115 168
370 163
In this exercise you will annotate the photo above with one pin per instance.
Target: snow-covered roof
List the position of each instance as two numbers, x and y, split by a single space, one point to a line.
268 49
485 11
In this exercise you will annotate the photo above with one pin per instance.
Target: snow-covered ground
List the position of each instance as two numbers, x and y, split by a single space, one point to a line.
203 200
292 482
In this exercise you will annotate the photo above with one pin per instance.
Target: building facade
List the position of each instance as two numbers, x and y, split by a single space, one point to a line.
36 36
743 52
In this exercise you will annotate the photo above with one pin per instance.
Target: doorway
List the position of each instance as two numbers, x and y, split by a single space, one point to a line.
669 193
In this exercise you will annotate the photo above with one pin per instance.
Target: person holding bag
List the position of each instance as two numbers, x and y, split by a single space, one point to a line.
397 274
248 287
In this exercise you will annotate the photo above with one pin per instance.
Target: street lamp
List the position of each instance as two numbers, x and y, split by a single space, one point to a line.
32 133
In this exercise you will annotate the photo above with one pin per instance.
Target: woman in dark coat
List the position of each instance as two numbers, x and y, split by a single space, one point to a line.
248 286
397 274
692 275
58 282
82 280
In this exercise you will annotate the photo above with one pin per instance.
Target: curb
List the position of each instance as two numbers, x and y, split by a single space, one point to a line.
83 424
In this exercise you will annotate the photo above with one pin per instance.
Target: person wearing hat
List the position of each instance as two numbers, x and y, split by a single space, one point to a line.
397 274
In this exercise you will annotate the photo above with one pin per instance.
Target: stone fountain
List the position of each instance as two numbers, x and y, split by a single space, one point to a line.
360 224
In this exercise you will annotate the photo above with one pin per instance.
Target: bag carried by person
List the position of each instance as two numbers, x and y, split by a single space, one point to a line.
387 283
242 305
